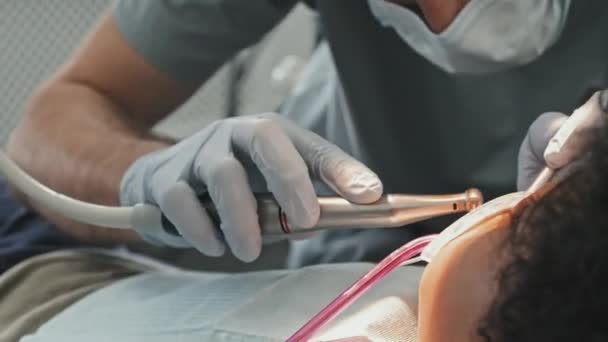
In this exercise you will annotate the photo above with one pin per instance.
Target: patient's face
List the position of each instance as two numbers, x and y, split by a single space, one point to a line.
548 257
526 250
458 286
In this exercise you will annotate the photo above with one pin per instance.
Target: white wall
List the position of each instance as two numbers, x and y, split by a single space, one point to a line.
37 35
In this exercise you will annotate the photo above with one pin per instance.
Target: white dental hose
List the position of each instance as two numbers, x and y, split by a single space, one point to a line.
94 214
392 210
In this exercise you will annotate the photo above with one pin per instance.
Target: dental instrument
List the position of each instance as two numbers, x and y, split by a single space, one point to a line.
392 210
425 248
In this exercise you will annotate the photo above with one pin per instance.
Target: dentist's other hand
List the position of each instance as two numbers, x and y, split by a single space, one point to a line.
555 140
531 160
230 160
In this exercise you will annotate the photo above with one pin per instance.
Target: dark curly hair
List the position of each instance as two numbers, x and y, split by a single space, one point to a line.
554 286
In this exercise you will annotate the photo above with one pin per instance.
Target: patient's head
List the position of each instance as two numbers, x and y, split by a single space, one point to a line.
554 286
540 274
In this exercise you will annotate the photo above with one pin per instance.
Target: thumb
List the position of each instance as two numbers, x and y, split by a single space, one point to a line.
573 137
531 160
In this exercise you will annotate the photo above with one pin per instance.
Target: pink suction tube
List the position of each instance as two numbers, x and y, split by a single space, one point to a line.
387 265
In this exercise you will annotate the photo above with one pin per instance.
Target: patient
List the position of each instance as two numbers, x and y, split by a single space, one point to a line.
542 278
537 274
553 287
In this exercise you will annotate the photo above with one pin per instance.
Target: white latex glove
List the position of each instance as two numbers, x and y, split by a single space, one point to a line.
227 159
555 140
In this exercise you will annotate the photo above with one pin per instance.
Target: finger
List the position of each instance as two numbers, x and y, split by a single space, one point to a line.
531 160
282 166
542 130
347 176
529 165
573 137
236 206
180 204
344 174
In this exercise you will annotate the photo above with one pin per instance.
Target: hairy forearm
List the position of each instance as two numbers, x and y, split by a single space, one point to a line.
78 142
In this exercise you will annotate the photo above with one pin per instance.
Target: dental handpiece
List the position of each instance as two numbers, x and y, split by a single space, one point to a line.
392 210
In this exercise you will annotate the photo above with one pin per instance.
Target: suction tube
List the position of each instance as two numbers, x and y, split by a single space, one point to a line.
99 215
402 256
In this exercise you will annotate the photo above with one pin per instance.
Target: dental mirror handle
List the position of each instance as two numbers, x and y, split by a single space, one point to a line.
392 210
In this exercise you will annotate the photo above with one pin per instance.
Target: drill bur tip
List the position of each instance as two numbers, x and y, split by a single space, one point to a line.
474 199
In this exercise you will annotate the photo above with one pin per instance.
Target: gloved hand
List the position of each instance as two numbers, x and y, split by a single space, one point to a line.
230 159
555 140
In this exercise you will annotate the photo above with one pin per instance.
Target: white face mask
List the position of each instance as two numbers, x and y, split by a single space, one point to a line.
486 36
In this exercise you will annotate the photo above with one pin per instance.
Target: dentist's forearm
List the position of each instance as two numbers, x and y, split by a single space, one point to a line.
79 143
84 128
